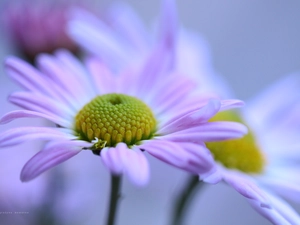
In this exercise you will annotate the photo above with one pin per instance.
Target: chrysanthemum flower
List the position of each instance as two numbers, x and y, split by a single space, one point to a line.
262 166
117 117
37 26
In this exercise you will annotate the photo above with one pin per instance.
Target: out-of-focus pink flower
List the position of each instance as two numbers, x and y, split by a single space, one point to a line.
273 146
37 26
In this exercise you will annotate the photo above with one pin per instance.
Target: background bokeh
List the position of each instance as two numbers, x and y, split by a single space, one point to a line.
252 43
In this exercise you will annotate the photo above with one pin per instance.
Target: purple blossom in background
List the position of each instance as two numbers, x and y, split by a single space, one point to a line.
273 118
34 27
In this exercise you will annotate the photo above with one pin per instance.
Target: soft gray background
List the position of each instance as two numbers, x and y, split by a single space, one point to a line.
253 43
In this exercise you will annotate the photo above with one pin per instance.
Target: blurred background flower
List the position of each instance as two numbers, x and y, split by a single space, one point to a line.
37 26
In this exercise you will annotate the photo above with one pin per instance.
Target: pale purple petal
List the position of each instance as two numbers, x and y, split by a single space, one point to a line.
124 20
280 213
208 132
112 159
162 57
168 21
30 114
168 26
77 71
194 58
128 76
196 117
191 157
246 187
283 96
168 87
67 83
136 167
131 162
289 189
104 81
168 96
28 77
166 151
284 209
18 135
42 104
152 69
49 157
200 161
231 104
97 38
213 176
35 81
190 105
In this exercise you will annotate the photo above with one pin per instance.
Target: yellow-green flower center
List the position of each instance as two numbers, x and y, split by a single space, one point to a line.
242 154
113 118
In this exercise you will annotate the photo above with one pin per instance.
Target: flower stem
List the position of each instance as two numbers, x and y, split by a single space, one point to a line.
114 198
183 199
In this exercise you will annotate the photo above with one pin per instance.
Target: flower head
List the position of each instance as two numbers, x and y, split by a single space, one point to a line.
113 116
37 26
263 165
145 107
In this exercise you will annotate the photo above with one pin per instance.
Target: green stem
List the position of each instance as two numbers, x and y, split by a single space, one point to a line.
114 198
183 199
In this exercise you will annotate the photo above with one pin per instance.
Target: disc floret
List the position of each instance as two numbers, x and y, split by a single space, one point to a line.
112 118
242 154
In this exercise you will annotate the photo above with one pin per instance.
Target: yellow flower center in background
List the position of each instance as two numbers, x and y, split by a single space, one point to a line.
242 154
113 118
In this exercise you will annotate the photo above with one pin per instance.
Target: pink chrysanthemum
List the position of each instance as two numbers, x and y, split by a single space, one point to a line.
37 26
266 168
146 107
116 116
262 166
